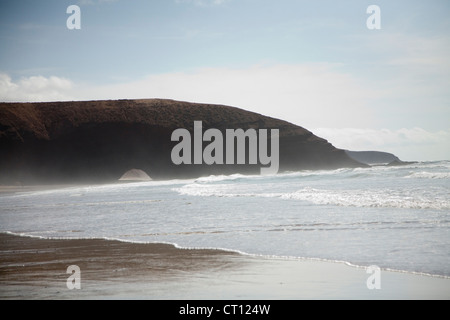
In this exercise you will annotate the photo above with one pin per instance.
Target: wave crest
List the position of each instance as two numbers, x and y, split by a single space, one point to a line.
345 198
366 198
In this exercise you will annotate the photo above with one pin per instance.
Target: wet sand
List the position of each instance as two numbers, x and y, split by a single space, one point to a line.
32 268
15 189
8 189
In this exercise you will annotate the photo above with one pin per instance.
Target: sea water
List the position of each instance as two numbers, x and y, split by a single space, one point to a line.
393 217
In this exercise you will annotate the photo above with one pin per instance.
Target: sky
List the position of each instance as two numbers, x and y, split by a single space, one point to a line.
314 63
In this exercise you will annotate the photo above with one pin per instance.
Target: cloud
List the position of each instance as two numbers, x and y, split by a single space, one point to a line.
410 59
317 96
310 95
409 74
408 144
305 94
35 88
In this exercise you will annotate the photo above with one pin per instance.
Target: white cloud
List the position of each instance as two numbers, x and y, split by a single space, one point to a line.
315 95
427 54
35 88
306 95
410 65
408 144
310 95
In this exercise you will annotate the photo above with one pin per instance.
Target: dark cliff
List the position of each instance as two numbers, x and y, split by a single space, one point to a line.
373 157
98 141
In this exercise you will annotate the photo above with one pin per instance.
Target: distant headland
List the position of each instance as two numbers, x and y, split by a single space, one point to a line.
99 141
376 158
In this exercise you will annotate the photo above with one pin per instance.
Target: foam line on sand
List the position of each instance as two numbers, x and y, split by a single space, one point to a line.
32 268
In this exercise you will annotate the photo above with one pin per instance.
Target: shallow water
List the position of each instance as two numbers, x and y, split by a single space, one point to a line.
394 217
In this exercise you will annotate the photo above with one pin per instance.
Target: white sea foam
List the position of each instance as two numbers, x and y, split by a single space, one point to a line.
428 175
220 190
368 198
379 198
223 178
404 224
76 191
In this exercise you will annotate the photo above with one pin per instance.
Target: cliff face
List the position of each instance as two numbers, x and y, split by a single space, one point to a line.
373 157
97 141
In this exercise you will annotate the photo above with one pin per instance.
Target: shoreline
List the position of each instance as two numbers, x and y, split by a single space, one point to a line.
12 189
231 251
34 268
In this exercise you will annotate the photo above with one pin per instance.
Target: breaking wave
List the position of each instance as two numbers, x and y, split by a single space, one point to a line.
419 186
346 198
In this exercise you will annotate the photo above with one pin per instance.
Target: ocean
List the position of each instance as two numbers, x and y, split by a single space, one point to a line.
397 218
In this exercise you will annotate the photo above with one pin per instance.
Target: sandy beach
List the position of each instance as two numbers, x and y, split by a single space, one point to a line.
32 268
14 189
